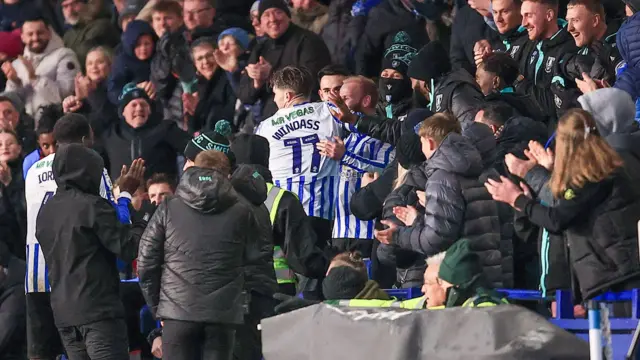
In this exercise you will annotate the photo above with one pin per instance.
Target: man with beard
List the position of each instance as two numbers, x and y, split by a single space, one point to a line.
84 32
46 72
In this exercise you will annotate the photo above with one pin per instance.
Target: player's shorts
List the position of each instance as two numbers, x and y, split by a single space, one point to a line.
43 339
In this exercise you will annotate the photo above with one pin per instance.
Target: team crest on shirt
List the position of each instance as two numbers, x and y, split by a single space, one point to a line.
549 65
558 101
533 57
438 102
514 50
620 65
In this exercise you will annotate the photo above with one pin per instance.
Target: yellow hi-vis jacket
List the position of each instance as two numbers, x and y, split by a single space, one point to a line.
284 274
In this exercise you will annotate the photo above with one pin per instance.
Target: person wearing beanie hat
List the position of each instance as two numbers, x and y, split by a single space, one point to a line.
10 45
233 36
254 14
286 45
436 87
394 86
129 93
218 140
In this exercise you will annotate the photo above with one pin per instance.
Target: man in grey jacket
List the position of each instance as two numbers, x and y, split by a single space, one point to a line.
456 204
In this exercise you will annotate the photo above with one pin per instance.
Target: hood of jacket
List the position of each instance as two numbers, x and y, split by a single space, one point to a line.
628 40
78 167
372 291
520 129
481 136
54 44
263 171
457 77
250 184
613 110
135 30
457 155
206 190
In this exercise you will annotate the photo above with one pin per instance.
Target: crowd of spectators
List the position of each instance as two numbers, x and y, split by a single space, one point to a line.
504 130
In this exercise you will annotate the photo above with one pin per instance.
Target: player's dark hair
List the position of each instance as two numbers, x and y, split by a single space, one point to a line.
297 79
497 114
503 66
332 70
71 129
49 116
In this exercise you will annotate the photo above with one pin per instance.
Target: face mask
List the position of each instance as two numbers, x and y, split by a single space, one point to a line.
394 90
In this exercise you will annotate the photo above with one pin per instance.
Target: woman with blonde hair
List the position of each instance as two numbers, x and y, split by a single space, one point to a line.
596 208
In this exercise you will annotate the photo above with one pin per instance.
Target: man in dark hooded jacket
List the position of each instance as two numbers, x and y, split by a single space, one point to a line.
205 233
457 205
439 89
468 27
80 236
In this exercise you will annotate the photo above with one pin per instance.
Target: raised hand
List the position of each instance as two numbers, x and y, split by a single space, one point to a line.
130 179
406 214
227 62
543 156
333 149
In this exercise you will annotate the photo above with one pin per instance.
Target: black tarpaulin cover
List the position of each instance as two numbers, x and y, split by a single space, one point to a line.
324 332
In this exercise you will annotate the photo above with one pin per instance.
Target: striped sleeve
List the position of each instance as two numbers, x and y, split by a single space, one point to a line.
374 160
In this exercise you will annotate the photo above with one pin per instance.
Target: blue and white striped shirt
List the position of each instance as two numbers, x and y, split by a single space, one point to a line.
40 186
296 163
363 154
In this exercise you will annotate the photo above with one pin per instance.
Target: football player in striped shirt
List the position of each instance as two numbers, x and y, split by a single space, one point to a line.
358 155
42 334
293 132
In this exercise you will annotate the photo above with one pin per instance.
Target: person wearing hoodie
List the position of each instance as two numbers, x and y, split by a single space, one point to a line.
310 15
46 71
383 23
13 312
141 133
457 205
613 109
201 308
511 35
439 89
133 62
628 75
293 235
14 117
85 283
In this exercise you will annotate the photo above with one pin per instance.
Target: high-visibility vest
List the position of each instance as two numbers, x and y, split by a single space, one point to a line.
417 303
284 274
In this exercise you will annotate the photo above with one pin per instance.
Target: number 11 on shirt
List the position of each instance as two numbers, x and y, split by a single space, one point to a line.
296 145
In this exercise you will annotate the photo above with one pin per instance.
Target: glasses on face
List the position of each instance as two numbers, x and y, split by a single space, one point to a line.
206 56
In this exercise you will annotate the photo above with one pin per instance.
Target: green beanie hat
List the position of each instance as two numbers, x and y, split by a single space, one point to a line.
460 265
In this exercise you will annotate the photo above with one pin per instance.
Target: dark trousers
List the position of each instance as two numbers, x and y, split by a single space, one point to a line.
248 338
101 340
186 340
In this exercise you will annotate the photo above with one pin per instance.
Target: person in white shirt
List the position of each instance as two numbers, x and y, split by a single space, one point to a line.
293 132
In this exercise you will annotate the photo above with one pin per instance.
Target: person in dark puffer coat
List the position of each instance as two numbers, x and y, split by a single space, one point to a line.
193 277
457 206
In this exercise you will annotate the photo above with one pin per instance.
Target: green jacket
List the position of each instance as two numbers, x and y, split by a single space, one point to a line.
83 37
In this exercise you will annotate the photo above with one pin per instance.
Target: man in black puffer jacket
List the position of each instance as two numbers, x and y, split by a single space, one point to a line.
191 263
457 205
